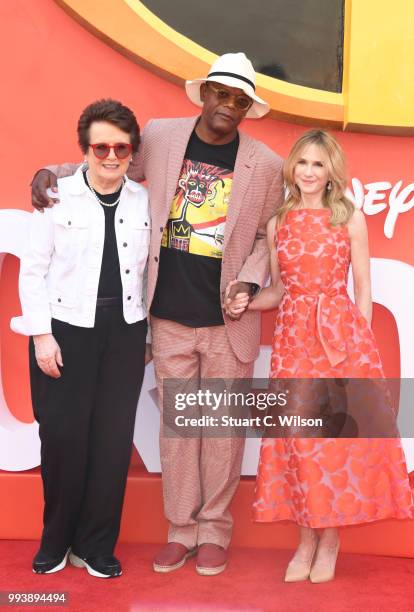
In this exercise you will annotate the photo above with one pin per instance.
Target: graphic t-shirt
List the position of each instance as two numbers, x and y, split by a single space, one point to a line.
188 286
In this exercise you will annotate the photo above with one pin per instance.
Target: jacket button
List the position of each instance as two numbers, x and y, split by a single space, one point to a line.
59 300
69 222
146 224
121 220
129 297
125 244
126 271
156 258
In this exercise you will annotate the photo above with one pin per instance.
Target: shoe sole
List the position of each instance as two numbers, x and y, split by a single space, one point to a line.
325 577
297 578
164 569
57 568
210 571
80 563
321 581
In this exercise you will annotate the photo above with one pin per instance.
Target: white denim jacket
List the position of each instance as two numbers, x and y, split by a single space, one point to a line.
60 270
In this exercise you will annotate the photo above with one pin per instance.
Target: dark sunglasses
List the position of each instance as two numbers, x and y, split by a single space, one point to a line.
223 95
102 149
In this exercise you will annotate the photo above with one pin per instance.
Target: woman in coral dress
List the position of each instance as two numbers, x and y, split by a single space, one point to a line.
322 483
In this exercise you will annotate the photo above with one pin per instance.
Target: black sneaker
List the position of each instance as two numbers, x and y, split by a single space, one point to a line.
45 564
100 567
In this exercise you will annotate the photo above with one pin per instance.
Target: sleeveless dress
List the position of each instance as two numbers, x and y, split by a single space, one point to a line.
320 333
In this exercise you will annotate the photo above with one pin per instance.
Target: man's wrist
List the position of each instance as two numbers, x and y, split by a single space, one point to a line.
250 288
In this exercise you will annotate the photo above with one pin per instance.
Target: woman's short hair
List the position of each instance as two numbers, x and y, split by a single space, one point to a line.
112 112
334 197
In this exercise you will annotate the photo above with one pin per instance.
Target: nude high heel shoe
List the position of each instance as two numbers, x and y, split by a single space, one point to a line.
323 570
299 568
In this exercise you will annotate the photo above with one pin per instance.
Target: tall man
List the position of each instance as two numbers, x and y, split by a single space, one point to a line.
212 190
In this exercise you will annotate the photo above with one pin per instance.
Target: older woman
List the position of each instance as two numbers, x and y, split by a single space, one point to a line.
82 294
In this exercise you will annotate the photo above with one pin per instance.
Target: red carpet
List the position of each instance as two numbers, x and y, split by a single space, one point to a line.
252 583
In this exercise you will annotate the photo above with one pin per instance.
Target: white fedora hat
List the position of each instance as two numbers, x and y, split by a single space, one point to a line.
233 70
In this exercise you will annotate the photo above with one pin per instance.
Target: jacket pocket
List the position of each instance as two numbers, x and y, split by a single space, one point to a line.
141 231
141 235
71 233
62 299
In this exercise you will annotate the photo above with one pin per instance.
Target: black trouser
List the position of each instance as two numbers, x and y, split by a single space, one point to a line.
86 420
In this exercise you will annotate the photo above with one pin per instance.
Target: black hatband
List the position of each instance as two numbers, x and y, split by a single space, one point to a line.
234 76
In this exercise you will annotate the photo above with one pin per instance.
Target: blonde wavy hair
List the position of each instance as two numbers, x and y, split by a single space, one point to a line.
334 198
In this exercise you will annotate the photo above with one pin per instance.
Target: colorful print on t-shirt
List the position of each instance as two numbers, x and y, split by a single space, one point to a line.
199 209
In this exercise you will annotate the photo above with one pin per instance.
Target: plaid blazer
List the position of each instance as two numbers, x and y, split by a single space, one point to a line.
256 192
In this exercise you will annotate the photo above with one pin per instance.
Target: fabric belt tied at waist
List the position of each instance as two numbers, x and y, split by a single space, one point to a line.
334 348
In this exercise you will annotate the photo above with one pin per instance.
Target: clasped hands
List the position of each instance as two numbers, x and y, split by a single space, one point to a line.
236 298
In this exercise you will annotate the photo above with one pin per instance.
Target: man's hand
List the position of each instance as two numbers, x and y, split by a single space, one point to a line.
236 299
43 180
148 353
48 355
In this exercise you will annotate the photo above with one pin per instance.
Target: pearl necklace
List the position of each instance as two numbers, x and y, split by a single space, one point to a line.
96 195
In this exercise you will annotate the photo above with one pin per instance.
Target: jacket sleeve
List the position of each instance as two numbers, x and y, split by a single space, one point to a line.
62 170
34 266
256 267
136 170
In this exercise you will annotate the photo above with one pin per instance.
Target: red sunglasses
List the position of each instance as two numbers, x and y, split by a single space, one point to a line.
102 149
